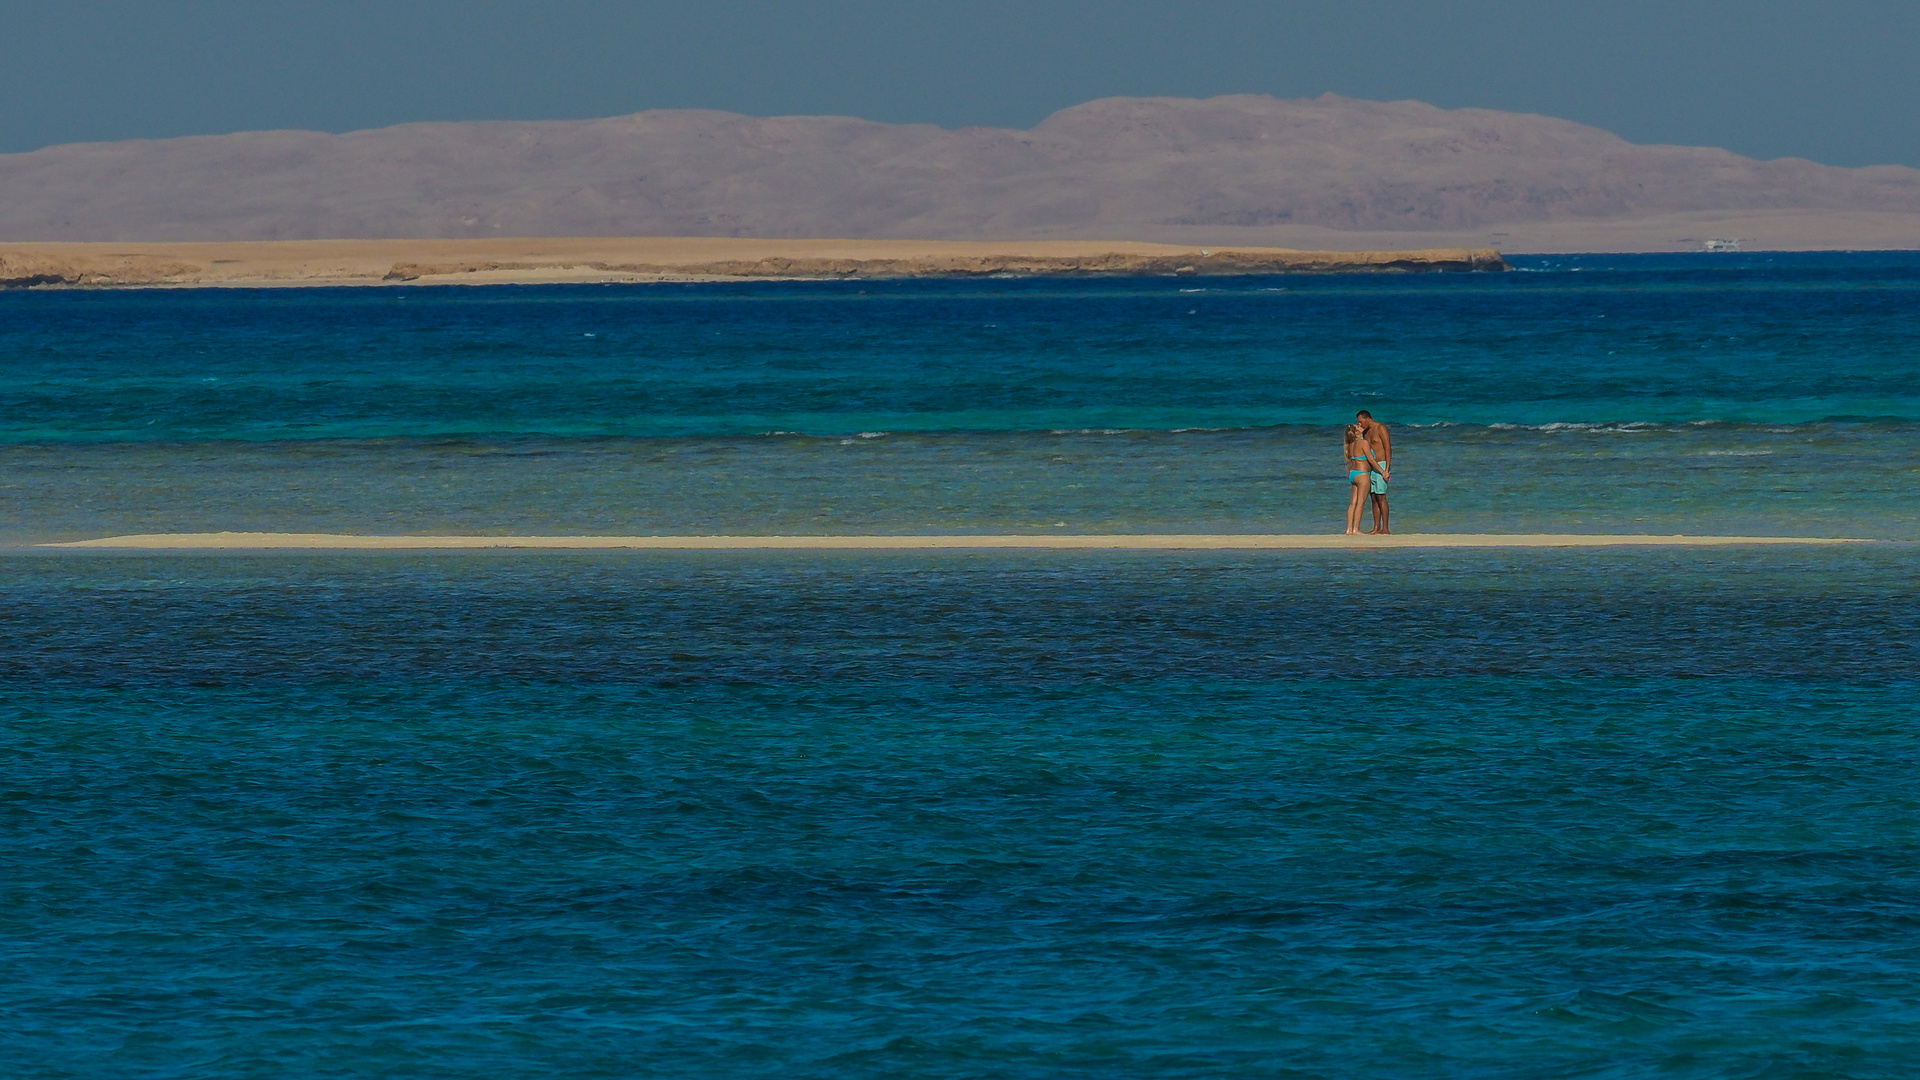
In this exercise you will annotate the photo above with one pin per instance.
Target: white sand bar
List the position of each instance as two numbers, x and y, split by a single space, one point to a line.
1115 541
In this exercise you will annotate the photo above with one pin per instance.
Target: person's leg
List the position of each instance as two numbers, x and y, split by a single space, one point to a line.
1356 506
1380 514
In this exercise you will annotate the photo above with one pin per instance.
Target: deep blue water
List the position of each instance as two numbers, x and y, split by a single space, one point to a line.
1319 814
1673 341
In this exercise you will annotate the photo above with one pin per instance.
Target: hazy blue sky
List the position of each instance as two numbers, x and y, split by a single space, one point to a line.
1835 81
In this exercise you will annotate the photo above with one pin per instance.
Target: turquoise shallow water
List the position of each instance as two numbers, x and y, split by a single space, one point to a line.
1320 814
1674 394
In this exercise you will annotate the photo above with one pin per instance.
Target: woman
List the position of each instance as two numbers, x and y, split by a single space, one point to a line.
1361 465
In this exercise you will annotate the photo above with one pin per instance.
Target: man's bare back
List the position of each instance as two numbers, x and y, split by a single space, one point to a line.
1381 440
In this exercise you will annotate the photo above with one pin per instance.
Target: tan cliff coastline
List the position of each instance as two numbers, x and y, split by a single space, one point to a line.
644 259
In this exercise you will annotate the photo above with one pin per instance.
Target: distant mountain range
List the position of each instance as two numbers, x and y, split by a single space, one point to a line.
1241 169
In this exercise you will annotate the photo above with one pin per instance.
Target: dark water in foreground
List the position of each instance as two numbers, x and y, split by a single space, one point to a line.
480 815
1314 814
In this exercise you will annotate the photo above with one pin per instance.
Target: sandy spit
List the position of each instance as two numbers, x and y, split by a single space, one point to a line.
1119 542
652 259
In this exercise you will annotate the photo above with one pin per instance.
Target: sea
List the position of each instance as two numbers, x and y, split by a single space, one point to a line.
1506 813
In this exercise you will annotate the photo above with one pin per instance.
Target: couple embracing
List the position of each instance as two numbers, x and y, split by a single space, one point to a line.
1369 460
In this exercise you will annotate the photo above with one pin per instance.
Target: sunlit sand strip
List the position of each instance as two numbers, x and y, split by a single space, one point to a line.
1117 542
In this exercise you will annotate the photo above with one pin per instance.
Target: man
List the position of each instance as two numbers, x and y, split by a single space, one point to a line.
1382 442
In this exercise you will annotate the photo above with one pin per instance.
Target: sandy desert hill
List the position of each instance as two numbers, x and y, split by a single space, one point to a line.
1330 172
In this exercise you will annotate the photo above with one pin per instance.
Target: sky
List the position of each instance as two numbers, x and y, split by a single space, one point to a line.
1835 81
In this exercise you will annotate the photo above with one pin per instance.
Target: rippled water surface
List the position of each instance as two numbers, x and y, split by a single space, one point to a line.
1320 814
